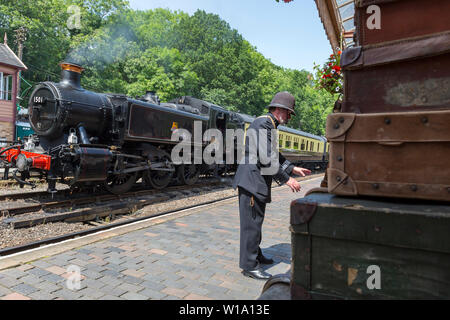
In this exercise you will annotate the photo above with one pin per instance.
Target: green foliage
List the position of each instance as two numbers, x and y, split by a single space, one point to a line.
129 51
48 36
314 107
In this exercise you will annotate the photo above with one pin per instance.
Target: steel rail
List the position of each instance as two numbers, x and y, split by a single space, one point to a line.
30 208
66 192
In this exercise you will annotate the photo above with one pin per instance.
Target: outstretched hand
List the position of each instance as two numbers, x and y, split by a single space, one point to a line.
293 184
301 171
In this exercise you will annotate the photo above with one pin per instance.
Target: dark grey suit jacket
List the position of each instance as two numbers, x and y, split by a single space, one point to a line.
250 173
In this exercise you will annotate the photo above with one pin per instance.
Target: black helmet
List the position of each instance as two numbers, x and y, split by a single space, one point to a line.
283 100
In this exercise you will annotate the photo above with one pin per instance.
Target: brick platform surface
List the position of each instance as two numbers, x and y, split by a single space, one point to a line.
192 257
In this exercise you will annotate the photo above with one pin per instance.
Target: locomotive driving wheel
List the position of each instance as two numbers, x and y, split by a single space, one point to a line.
188 173
159 179
120 183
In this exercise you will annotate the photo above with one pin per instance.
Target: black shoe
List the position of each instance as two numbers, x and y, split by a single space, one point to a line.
263 260
256 274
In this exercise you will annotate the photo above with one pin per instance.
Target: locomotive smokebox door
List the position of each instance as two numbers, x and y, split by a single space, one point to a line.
43 111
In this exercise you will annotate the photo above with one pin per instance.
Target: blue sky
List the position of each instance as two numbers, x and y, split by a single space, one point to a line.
291 34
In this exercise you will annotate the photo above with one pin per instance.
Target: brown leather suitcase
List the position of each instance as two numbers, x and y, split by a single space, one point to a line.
405 75
399 19
404 155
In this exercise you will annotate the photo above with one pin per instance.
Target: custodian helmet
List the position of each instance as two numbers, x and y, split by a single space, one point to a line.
283 100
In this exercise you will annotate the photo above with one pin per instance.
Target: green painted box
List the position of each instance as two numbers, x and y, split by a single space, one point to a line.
357 248
23 130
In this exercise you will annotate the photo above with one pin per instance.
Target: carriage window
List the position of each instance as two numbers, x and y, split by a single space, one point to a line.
288 144
296 145
281 144
307 142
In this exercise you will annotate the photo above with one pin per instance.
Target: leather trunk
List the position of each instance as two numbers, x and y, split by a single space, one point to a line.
400 19
354 248
406 75
401 155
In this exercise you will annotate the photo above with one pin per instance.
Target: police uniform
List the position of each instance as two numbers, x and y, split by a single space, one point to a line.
255 189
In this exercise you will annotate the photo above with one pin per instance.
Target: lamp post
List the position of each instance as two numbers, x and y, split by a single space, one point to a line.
21 37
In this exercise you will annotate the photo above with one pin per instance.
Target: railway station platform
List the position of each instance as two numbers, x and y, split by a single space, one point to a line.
190 255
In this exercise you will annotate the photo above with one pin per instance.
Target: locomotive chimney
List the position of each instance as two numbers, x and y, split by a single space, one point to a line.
151 96
71 74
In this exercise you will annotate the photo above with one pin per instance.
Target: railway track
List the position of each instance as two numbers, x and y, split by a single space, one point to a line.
77 206
64 193
118 212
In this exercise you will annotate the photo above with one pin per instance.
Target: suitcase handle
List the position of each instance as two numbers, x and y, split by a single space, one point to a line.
391 144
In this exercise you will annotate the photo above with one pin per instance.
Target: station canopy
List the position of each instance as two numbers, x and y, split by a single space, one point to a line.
338 20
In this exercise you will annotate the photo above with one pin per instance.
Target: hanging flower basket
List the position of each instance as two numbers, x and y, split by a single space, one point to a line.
329 77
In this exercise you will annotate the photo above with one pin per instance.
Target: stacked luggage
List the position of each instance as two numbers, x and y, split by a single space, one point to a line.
392 135
383 228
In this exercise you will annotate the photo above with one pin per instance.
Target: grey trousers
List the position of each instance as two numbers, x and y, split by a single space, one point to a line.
251 213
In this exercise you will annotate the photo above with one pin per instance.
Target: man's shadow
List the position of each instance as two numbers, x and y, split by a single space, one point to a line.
280 253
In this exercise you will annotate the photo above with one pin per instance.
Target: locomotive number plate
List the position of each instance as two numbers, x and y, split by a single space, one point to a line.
38 99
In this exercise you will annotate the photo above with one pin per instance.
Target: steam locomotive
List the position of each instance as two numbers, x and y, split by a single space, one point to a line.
87 138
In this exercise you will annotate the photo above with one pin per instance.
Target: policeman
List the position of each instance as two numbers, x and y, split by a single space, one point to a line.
261 163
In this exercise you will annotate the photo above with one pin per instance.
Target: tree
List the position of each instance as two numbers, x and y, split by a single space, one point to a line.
129 52
49 38
314 107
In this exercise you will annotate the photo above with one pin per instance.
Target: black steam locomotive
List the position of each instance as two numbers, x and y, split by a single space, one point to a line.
90 137
87 138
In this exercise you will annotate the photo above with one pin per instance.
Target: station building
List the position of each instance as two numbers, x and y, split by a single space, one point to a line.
10 66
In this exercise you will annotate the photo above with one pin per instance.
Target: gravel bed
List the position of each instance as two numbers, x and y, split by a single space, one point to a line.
184 202
15 237
15 188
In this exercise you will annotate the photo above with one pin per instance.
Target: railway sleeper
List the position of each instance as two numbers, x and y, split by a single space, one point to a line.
87 214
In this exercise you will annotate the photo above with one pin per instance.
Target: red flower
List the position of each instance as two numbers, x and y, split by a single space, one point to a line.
330 74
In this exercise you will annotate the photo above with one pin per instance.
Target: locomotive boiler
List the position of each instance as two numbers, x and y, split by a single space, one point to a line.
91 138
